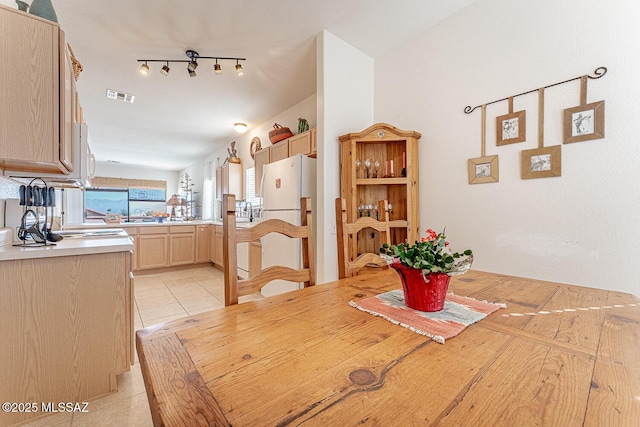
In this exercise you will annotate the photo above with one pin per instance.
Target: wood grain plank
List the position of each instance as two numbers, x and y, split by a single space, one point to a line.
435 370
615 388
185 400
529 384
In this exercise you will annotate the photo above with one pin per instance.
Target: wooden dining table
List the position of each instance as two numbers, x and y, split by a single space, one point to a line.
557 355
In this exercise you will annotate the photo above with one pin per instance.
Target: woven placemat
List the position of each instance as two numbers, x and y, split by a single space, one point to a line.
458 313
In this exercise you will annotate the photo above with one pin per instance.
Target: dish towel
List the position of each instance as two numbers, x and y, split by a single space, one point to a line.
458 313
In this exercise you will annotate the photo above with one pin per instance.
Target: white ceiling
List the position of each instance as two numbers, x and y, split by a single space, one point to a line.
177 119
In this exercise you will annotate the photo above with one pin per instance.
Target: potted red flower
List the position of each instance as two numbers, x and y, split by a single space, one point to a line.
426 268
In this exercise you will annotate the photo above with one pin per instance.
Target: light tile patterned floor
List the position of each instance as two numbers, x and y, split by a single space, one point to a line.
159 298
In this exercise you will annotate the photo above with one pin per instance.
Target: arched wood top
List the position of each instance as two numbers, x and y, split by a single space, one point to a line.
371 133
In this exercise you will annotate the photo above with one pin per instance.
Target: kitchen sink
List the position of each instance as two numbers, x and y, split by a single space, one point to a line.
89 234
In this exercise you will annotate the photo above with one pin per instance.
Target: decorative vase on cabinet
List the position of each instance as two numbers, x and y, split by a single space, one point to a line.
42 8
393 150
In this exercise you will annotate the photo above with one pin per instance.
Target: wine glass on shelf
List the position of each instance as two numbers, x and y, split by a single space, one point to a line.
367 166
357 168
376 166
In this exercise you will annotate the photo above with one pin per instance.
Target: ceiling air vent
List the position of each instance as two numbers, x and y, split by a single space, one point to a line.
120 96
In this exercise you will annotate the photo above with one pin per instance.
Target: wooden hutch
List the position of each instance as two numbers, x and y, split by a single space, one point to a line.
395 180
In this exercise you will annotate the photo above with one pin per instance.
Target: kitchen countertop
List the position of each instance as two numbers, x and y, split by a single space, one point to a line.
69 247
243 222
137 224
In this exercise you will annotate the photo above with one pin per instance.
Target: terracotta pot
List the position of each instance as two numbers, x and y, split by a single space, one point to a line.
422 293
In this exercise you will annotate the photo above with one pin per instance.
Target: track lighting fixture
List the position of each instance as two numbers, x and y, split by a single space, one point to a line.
165 69
144 69
192 63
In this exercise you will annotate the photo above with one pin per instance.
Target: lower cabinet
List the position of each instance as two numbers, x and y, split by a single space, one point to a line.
203 233
66 329
153 247
217 243
182 239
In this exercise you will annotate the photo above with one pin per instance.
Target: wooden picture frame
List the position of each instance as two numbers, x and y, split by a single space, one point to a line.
511 128
483 170
113 218
584 122
542 162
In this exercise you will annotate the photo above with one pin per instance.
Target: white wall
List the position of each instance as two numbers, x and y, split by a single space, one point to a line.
345 104
580 228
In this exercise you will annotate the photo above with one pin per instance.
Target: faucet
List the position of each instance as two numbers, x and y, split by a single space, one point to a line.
246 208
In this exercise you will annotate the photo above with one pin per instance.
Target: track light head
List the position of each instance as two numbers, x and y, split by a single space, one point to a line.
165 69
144 69
217 68
239 70
193 64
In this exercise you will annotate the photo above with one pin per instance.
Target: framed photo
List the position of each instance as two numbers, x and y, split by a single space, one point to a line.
113 218
511 128
584 122
483 170
541 162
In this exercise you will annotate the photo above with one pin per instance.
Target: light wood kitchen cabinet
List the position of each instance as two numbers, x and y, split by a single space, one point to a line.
182 239
202 243
68 103
38 95
229 180
217 241
303 143
394 149
133 232
212 244
66 327
279 151
314 142
261 158
153 247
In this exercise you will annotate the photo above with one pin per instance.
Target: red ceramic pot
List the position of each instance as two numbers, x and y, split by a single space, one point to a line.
422 293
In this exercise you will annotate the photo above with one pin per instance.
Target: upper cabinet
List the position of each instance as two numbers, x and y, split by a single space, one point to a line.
303 143
229 180
38 95
379 163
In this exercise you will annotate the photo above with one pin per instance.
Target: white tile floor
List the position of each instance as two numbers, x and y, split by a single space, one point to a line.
159 298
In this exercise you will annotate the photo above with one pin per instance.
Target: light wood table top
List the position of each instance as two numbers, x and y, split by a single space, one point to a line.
558 355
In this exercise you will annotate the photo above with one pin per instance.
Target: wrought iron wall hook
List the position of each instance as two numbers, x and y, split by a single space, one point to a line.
599 72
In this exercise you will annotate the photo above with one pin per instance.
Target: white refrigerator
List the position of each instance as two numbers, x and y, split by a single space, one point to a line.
283 184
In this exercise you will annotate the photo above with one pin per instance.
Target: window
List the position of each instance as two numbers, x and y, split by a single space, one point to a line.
133 204
99 202
145 202
250 189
